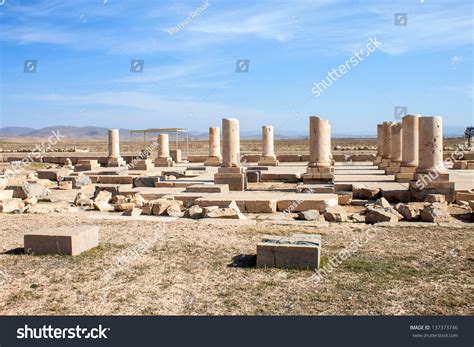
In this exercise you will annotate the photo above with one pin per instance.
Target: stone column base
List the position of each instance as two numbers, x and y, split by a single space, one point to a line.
145 165
234 177
268 161
393 168
378 160
163 162
213 161
405 174
420 190
318 175
86 165
116 162
384 163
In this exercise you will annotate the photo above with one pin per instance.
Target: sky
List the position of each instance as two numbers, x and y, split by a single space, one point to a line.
196 62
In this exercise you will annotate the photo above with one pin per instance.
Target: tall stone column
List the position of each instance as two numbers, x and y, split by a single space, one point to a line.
214 158
231 172
268 157
164 158
114 159
431 176
387 144
410 138
378 158
331 160
319 166
395 149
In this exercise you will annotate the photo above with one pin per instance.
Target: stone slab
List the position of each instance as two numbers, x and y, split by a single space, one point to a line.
208 188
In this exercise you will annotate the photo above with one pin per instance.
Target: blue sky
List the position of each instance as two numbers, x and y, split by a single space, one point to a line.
84 50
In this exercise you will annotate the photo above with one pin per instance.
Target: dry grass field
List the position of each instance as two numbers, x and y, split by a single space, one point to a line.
190 268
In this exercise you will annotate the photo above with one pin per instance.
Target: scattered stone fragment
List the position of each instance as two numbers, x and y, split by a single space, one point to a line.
160 206
310 215
344 198
124 206
6 194
45 208
435 198
78 181
225 212
174 211
382 202
103 206
65 185
118 199
194 212
335 214
208 209
409 212
376 215
13 205
147 208
82 200
434 214
103 196
365 193
27 190
133 212
138 200
357 217
31 201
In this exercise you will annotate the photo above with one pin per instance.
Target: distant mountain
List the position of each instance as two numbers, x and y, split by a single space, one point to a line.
14 131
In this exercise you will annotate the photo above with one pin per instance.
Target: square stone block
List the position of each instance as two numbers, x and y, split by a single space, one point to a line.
175 155
213 161
407 169
236 181
163 162
268 161
294 252
62 240
208 188
404 176
230 170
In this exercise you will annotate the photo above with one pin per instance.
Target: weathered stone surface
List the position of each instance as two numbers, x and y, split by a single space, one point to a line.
103 195
6 194
124 206
435 198
174 211
132 212
118 199
13 205
435 214
65 185
382 202
194 212
208 188
78 181
225 213
103 206
208 209
253 176
309 215
53 174
31 201
145 181
344 198
138 200
377 214
27 190
82 200
45 208
357 217
160 206
63 240
365 193
335 214
409 212
295 252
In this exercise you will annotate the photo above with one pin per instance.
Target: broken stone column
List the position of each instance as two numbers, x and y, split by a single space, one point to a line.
268 157
378 158
331 159
319 167
431 175
387 143
395 149
114 158
231 172
164 158
410 138
215 158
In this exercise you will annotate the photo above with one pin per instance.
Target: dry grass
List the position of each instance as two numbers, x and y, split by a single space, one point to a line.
188 270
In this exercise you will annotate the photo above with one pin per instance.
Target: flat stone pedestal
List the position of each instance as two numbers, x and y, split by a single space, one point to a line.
62 240
164 162
318 175
233 176
298 251
268 161
392 168
213 161
405 174
86 165
385 162
116 162
145 164
424 185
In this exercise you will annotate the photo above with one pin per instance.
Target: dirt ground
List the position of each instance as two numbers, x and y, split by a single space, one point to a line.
193 268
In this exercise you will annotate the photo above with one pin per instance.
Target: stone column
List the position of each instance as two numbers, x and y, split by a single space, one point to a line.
114 158
378 158
430 145
395 149
410 129
387 144
164 158
268 157
230 143
215 158
431 176
319 166
231 172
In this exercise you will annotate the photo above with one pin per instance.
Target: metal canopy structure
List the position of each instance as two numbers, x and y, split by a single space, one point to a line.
161 130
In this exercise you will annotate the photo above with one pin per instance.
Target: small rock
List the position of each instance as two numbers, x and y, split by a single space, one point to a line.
31 201
194 212
103 206
124 206
344 198
357 217
82 200
409 212
13 205
119 199
376 214
435 198
225 212
335 214
174 211
65 185
382 202
208 209
133 212
434 214
103 196
309 215
365 193
138 200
